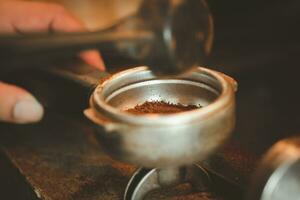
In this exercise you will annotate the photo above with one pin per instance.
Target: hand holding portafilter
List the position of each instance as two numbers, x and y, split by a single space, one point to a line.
170 36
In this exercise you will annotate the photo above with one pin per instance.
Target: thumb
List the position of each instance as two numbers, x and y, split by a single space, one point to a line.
18 106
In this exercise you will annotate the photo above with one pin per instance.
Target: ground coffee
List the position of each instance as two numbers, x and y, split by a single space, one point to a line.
160 107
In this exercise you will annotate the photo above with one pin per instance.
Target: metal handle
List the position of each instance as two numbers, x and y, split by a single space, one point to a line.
23 51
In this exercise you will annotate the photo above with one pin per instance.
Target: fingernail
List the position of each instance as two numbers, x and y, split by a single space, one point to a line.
27 110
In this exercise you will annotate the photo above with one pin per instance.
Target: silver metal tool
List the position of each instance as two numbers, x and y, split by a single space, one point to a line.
278 174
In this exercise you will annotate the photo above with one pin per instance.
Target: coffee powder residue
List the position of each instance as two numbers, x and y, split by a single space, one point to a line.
160 107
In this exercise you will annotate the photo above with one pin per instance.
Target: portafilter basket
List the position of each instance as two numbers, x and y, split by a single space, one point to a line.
163 140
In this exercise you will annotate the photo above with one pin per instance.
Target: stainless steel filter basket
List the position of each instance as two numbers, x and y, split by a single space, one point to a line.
163 140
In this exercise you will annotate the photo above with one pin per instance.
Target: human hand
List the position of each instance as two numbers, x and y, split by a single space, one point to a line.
16 104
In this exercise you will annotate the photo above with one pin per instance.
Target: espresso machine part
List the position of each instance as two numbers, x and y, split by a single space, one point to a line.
163 140
278 175
169 36
169 143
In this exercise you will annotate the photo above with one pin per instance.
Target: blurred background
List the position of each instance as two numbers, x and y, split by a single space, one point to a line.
248 34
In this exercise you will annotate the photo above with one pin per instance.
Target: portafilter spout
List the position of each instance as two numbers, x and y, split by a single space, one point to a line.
170 36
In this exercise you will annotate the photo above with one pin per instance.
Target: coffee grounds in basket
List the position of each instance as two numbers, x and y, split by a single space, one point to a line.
160 107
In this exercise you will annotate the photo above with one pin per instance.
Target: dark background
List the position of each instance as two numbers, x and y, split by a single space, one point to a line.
250 34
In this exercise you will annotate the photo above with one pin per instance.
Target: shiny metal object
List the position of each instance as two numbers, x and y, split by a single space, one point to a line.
183 34
146 180
278 175
163 140
169 36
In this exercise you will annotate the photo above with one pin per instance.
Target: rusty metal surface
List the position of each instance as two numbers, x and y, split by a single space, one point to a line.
234 162
59 159
181 192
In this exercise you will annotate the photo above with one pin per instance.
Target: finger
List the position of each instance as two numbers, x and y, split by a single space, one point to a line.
18 106
92 57
28 17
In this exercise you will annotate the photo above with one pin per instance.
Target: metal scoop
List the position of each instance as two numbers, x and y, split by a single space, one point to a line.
170 36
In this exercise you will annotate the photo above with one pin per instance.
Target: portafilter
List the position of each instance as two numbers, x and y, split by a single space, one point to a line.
163 140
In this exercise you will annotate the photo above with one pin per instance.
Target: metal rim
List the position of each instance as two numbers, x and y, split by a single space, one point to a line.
223 100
